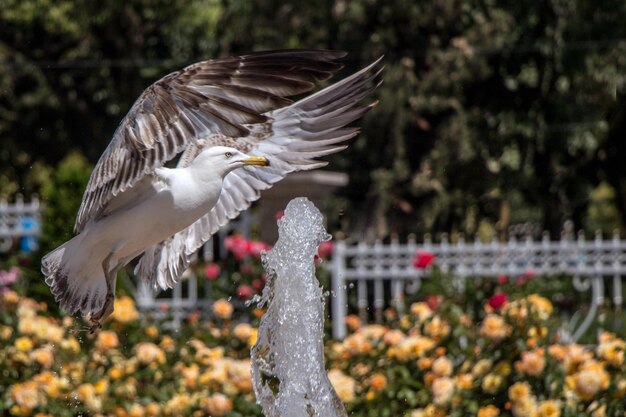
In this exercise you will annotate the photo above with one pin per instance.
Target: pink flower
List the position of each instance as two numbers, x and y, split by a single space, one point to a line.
279 215
502 279
498 300
244 292
212 271
255 248
238 246
527 276
325 249
9 277
423 259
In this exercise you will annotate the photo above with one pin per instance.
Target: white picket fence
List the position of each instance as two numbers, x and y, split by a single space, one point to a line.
19 220
380 275
389 268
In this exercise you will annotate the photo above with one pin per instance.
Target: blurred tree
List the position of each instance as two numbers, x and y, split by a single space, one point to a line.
492 112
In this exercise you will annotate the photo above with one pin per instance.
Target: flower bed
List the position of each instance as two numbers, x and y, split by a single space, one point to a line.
437 360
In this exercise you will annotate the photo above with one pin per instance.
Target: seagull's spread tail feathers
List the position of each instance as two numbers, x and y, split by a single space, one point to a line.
77 284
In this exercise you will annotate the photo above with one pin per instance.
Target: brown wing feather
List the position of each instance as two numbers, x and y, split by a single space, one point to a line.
219 96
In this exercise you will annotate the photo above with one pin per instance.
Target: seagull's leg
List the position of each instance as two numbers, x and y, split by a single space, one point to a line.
110 275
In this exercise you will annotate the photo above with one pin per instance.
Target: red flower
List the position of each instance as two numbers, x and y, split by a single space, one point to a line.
279 215
258 284
245 292
433 301
423 259
498 300
502 279
212 271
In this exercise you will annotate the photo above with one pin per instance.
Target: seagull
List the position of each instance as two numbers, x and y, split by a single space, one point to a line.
230 131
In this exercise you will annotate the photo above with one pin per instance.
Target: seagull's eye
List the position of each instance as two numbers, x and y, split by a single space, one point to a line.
228 155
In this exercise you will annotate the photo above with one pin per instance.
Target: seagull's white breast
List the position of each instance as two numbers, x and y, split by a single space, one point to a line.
181 198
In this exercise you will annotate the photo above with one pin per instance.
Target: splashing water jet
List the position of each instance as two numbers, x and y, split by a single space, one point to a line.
288 371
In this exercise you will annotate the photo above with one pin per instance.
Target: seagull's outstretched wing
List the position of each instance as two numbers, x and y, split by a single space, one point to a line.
219 96
291 138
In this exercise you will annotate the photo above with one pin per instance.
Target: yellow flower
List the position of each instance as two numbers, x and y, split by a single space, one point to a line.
136 410
503 368
70 344
481 368
541 306
442 366
464 381
437 328
124 310
343 384
612 351
10 298
411 347
393 337
442 389
107 340
421 311
216 405
6 332
525 407
43 356
591 379
177 405
243 332
152 332
223 309
532 363
87 395
494 327
167 344
23 344
432 410
491 383
518 391
488 411
27 396
149 353
101 386
152 410
548 408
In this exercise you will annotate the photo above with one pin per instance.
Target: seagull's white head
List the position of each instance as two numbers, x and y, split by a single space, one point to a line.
223 159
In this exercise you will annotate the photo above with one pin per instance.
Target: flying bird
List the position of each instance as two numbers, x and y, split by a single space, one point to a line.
235 132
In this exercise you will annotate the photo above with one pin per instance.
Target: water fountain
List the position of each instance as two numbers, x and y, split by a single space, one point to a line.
288 371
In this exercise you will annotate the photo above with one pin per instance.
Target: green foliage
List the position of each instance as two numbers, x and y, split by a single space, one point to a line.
491 112
61 197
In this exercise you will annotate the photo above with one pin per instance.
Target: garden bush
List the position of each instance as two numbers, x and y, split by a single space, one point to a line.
436 360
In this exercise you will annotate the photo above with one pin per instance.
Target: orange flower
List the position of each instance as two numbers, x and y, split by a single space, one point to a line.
223 309
353 322
494 327
148 353
532 363
107 340
488 411
124 310
217 404
378 382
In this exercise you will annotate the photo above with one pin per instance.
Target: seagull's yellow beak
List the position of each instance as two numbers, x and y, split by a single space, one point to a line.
257 160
